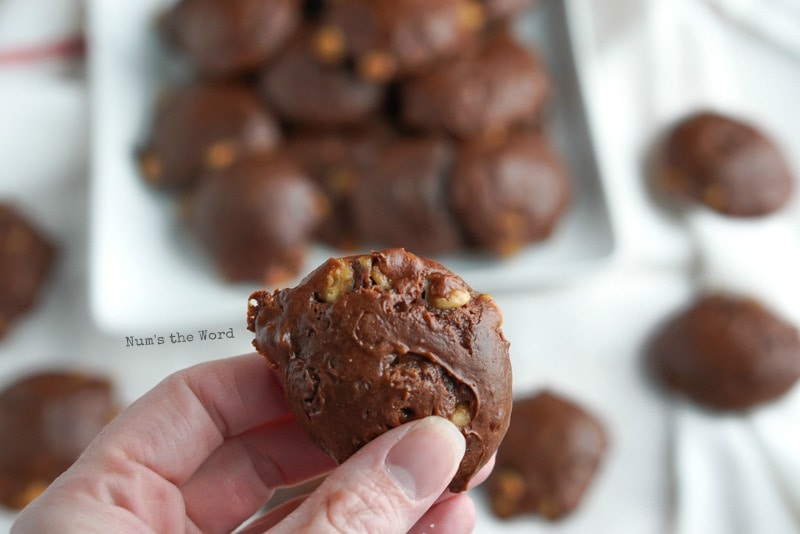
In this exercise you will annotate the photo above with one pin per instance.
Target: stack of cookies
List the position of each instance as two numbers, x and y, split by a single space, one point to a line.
357 124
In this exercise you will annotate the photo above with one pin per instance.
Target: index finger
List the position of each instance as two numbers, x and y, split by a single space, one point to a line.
176 426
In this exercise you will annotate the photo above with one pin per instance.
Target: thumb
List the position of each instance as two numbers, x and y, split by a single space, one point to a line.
387 485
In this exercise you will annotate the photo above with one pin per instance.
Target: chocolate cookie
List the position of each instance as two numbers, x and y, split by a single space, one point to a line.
367 343
47 419
255 218
510 191
229 37
336 161
488 88
403 200
726 353
204 126
26 260
390 38
505 9
548 458
306 89
729 166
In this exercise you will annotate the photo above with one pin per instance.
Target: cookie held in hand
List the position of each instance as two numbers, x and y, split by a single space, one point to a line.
367 343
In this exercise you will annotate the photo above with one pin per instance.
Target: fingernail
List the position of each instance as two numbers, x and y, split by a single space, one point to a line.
426 458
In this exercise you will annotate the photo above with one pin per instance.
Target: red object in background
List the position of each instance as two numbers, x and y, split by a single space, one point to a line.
71 47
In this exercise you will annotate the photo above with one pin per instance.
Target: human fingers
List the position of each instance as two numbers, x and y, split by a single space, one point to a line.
387 485
273 517
461 519
174 428
245 470
135 466
464 515
456 515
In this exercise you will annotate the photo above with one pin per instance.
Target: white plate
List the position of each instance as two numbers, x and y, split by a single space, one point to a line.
147 278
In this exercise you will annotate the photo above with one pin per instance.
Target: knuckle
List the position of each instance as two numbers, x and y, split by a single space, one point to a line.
366 507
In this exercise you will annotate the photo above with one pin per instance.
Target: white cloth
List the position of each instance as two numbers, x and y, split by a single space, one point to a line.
776 22
26 24
736 472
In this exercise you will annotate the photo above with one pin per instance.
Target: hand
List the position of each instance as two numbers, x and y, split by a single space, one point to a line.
206 448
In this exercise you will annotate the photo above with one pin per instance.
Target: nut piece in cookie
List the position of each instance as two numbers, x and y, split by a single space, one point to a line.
228 37
489 88
204 126
46 420
729 166
509 192
26 260
548 458
726 353
367 343
256 218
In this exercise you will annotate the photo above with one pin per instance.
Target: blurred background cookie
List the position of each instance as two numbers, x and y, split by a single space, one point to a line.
230 37
548 459
725 352
309 89
27 257
47 419
726 164
509 191
491 86
204 126
337 161
255 218
403 199
502 10
386 39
